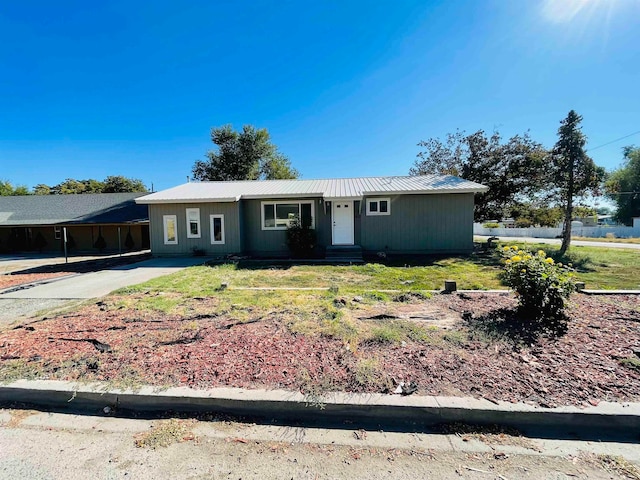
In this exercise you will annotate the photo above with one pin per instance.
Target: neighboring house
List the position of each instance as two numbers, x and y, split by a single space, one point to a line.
418 214
37 222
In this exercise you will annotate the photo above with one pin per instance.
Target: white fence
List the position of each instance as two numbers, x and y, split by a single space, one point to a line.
548 232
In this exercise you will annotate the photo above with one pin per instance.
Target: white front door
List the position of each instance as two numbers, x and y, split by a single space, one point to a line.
343 217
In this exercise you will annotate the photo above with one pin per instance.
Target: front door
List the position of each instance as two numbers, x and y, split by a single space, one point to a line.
343 217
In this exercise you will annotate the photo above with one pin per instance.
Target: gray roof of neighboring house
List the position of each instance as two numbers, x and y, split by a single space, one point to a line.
352 188
99 208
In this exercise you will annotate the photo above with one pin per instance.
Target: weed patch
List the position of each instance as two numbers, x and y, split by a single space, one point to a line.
166 433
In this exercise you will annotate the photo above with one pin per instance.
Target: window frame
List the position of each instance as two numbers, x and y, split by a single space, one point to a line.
286 202
57 233
211 231
188 211
377 201
165 231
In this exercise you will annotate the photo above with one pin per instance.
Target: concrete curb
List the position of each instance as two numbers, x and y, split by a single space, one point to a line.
293 406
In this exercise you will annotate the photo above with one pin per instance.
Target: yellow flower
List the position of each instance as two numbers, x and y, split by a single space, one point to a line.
506 249
524 270
507 261
541 253
514 248
549 261
527 257
516 258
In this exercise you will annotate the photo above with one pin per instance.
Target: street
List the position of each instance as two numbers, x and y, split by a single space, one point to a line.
41 446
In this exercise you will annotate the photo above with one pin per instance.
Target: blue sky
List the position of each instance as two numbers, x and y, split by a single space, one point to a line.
346 88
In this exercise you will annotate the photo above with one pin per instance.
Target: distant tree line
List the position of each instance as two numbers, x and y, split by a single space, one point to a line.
111 184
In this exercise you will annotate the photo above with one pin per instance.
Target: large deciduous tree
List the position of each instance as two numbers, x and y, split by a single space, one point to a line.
120 184
623 186
572 172
245 155
513 170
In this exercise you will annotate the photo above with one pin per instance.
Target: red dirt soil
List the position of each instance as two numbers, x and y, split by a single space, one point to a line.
582 367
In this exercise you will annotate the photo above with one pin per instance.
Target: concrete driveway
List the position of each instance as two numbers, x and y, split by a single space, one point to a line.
16 263
59 293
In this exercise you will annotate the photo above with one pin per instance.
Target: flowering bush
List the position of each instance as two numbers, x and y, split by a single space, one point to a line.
542 285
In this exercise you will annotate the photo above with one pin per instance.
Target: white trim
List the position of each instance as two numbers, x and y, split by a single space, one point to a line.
189 211
165 220
211 223
286 202
351 222
377 200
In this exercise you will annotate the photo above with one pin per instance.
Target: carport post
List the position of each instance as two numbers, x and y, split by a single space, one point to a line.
119 243
64 231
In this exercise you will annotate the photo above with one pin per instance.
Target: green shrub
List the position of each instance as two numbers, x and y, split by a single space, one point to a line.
491 225
301 239
541 284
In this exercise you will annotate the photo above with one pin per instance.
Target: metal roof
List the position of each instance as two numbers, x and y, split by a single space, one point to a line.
347 188
99 208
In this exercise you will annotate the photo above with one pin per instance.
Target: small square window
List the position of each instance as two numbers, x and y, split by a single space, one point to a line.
57 231
378 206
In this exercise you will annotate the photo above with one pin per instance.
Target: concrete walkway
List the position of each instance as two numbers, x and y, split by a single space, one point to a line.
98 284
558 241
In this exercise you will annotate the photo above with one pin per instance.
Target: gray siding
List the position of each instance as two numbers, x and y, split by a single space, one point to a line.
274 242
186 245
420 224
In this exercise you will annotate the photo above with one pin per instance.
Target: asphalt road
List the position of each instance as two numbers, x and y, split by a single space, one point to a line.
557 241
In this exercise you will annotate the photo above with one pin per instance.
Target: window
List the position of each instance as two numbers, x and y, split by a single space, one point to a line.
378 206
279 215
217 229
57 232
193 223
169 223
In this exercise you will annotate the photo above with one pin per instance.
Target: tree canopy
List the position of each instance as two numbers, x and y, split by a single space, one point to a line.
572 172
623 186
7 189
245 155
512 170
71 186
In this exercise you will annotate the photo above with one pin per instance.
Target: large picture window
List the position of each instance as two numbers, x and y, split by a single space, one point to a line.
169 223
279 215
378 206
193 223
217 229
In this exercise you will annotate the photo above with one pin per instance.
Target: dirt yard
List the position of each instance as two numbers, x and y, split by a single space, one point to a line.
468 353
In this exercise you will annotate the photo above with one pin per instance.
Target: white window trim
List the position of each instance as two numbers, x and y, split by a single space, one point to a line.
197 212
165 220
280 202
378 200
211 218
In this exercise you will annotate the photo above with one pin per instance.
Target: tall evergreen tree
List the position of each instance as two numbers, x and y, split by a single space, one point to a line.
573 172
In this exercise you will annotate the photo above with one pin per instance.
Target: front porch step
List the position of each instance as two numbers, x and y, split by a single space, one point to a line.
344 253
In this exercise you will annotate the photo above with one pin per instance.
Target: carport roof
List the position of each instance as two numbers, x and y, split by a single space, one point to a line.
100 208
353 188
